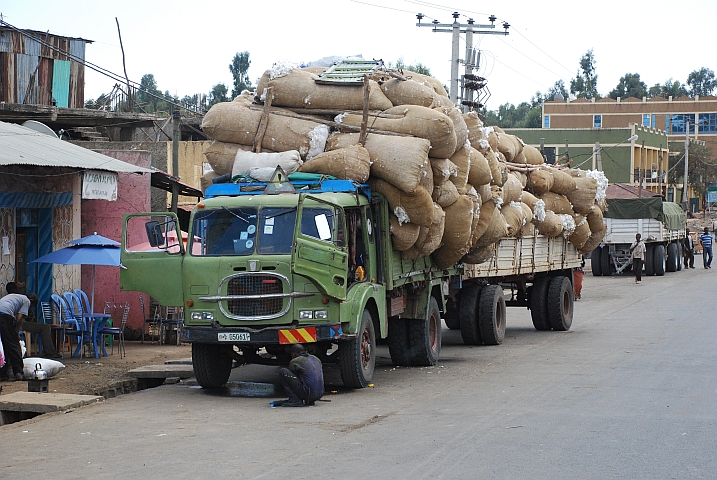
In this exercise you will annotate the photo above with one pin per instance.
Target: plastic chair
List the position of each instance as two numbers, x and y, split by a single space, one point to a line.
67 323
117 331
86 306
147 320
174 317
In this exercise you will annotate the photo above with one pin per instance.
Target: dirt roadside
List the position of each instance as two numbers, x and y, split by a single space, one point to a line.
96 376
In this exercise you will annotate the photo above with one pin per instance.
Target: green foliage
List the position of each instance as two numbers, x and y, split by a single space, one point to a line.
418 67
557 89
630 85
239 68
584 85
701 82
671 88
701 166
218 94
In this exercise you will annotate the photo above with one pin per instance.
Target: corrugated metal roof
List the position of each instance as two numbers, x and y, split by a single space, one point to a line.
22 146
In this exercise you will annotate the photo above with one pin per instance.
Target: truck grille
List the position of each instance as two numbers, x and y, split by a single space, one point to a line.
255 285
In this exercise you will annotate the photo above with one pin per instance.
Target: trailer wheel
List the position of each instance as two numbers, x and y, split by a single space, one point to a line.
452 320
649 260
468 314
399 346
425 336
672 259
605 263
539 302
212 364
659 260
357 357
596 262
560 303
680 256
491 315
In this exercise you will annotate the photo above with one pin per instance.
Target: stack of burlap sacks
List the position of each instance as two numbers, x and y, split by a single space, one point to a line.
454 186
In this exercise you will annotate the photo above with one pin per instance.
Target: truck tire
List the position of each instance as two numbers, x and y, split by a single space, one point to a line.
649 260
399 346
212 364
605 263
452 320
491 314
468 314
680 256
560 303
425 336
672 258
357 356
539 302
659 260
595 261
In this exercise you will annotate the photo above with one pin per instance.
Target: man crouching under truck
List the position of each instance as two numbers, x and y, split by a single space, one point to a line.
303 380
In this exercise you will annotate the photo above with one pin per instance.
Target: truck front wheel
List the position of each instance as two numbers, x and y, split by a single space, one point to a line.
425 336
212 364
357 357
491 314
560 303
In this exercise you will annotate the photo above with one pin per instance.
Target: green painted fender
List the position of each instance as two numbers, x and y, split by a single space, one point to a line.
356 299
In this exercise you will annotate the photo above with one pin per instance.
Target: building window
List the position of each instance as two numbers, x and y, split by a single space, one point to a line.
654 121
708 122
646 120
677 123
597 121
546 121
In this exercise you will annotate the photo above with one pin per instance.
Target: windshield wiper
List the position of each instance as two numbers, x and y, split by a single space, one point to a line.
234 214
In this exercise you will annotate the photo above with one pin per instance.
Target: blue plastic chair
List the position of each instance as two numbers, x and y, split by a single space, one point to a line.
68 324
87 307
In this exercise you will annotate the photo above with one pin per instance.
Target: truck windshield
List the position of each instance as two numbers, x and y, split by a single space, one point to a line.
242 231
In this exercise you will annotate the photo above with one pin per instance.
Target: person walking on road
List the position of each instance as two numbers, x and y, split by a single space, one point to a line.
303 380
688 250
638 257
706 240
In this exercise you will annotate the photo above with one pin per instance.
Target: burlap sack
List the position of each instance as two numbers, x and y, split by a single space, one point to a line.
427 80
461 159
581 233
575 172
416 207
246 161
479 173
473 123
497 229
509 145
495 168
595 220
593 241
529 199
479 255
484 192
206 180
552 226
520 158
298 89
539 182
498 130
512 189
523 177
492 138
403 235
443 169
528 229
434 235
234 122
484 220
221 155
459 125
418 121
583 197
402 161
409 92
557 203
445 194
532 155
412 253
563 183
514 218
427 180
348 163
456 234
246 97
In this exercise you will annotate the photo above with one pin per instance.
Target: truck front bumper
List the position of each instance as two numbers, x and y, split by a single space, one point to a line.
264 336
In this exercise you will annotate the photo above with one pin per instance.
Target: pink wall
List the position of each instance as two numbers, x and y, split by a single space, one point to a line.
105 218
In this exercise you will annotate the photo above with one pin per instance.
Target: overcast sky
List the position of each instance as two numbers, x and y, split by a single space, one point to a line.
188 45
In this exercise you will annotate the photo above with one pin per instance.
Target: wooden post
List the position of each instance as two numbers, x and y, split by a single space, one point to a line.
259 137
364 119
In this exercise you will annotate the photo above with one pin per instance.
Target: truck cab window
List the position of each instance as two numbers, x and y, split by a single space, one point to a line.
229 231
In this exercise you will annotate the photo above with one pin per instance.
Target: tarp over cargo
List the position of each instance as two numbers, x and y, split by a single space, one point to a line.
669 213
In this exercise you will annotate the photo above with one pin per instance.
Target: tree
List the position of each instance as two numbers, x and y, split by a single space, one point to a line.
148 94
701 82
418 67
239 68
629 86
584 85
555 90
218 94
671 88
701 166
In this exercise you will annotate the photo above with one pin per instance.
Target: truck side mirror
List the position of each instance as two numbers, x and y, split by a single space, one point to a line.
154 233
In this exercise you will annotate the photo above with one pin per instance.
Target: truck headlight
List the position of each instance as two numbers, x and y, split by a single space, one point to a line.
321 314
203 316
196 315
304 314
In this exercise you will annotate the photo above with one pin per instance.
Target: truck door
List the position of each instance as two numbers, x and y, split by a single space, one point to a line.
151 256
319 245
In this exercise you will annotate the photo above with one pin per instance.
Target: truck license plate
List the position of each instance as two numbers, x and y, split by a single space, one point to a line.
233 337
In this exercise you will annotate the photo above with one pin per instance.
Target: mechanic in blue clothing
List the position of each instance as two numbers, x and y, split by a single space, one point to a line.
706 240
304 379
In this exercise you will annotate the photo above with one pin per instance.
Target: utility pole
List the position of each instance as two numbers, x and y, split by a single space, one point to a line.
469 29
639 170
687 157
598 156
176 137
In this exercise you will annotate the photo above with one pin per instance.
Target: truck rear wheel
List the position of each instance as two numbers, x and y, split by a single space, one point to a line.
425 336
560 303
649 261
539 302
212 364
659 260
605 262
399 346
680 255
491 314
452 320
468 314
357 357
672 257
595 263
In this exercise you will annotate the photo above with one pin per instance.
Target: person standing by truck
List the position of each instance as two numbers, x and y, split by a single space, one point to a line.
638 257
706 240
688 249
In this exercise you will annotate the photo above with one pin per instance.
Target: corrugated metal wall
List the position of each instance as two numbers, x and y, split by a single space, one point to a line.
36 70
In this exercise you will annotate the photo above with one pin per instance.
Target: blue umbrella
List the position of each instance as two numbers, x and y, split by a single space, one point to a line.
90 250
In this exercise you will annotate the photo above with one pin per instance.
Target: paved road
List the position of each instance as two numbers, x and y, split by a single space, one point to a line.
629 392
